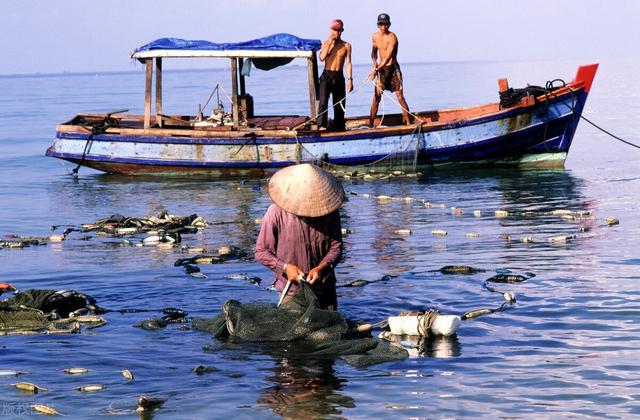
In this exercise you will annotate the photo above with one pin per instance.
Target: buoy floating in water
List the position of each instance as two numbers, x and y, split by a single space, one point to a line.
561 212
45 409
445 325
76 371
29 387
611 221
501 213
472 235
439 232
402 232
126 231
91 388
477 213
560 239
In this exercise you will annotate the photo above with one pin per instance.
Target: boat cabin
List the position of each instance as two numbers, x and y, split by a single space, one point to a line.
264 53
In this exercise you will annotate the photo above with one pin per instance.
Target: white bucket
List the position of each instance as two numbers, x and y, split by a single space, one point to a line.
442 325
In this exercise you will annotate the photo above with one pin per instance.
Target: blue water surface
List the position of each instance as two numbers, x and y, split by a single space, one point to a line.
567 348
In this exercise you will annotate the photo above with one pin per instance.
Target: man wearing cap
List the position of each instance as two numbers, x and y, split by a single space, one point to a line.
388 71
335 53
301 235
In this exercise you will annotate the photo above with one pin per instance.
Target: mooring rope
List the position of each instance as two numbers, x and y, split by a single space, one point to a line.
572 108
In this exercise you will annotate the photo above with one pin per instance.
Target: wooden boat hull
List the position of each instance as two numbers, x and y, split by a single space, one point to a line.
531 135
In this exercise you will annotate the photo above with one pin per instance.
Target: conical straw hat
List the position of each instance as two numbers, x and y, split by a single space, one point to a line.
306 190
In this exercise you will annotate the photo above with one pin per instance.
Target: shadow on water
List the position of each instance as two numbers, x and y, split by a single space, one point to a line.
517 187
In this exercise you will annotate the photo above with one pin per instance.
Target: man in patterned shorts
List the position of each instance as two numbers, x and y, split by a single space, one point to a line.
385 44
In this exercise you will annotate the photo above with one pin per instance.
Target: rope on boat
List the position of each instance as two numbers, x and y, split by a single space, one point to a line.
415 134
98 127
549 90
610 134
416 117
341 102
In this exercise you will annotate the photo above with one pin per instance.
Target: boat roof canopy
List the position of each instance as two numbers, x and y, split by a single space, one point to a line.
273 46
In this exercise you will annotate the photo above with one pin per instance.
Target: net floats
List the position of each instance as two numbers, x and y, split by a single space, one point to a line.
57 238
508 278
476 313
460 269
127 374
439 232
403 232
76 371
11 372
149 403
45 409
561 238
91 388
611 221
28 387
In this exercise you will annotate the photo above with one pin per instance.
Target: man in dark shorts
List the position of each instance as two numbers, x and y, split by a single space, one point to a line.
385 43
335 53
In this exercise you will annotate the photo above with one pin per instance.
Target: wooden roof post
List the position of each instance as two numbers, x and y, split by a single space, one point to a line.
159 90
312 86
316 80
147 93
242 86
234 92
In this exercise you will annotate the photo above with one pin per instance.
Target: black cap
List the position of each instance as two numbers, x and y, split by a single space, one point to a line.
384 18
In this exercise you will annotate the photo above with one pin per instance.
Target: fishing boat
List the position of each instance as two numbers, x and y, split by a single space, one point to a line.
529 127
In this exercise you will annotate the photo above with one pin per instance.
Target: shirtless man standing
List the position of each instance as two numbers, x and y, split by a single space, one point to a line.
388 71
335 53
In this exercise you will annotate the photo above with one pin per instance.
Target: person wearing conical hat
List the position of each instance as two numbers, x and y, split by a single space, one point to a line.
301 233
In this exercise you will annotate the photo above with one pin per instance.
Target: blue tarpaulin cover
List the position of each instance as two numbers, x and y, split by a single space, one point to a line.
276 42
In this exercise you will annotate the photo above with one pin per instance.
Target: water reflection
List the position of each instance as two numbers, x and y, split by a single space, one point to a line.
305 388
437 346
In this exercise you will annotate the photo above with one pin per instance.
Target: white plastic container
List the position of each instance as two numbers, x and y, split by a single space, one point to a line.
443 325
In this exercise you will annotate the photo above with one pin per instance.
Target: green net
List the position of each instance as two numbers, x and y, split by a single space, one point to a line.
299 326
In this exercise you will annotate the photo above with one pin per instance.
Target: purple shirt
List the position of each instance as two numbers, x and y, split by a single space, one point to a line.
302 241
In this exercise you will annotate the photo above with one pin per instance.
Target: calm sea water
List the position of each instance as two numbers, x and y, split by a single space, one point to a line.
568 347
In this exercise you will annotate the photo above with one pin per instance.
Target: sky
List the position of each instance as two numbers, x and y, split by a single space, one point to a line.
55 36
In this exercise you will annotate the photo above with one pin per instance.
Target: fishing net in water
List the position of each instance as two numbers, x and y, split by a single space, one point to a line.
299 326
400 161
42 311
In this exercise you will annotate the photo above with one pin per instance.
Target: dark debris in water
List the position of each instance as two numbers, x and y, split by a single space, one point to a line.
201 370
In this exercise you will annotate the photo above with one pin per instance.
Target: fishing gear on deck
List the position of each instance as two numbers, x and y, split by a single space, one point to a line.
512 97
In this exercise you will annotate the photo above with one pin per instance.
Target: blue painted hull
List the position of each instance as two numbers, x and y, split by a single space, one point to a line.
537 135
